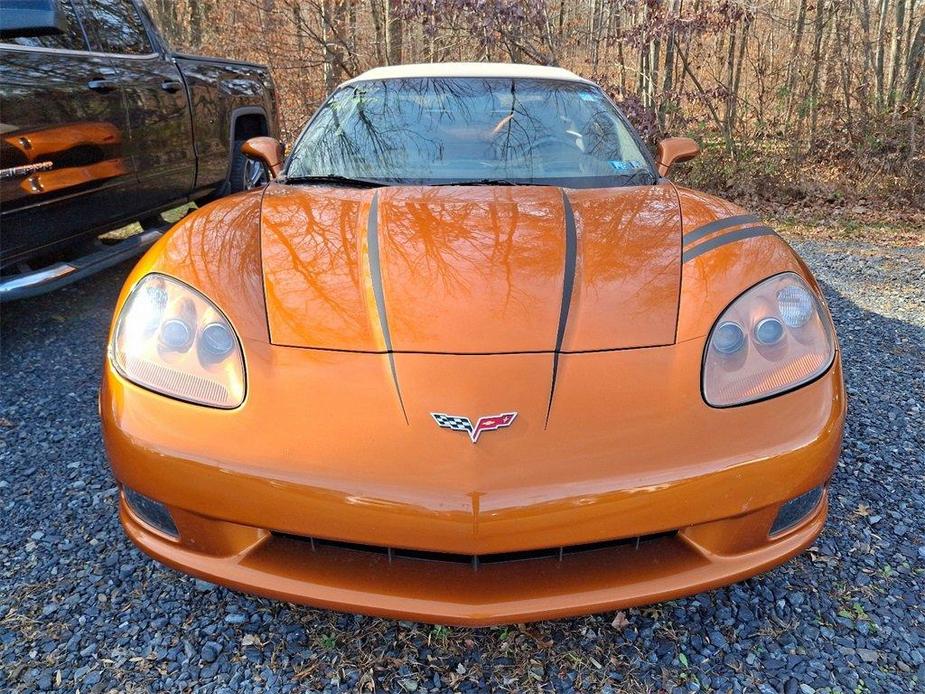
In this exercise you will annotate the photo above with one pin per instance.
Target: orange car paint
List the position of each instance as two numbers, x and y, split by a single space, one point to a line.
470 270
335 439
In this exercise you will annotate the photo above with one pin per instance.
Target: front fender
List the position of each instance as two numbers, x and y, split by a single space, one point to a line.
216 249
725 251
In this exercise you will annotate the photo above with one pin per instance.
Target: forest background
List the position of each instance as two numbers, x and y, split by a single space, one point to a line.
796 103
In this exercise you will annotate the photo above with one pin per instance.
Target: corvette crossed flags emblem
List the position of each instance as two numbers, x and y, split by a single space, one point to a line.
488 423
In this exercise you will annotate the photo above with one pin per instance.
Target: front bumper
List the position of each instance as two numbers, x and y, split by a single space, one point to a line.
429 590
320 450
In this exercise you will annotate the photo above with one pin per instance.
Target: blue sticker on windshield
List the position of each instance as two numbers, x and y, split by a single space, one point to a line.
621 165
587 96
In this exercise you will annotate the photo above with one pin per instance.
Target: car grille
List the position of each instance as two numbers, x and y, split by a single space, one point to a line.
475 560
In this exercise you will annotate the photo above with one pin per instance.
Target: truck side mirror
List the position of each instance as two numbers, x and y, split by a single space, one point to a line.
33 18
267 150
674 150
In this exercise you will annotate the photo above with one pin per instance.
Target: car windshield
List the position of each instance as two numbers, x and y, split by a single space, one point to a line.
471 130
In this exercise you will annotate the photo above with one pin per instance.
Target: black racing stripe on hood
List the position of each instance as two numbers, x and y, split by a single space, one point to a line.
568 284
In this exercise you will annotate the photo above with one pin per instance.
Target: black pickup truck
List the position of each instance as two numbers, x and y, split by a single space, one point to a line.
103 124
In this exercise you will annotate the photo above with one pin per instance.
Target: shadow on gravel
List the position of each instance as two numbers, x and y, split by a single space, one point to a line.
81 608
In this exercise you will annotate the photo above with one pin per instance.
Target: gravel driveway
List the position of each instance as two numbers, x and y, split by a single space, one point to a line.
80 608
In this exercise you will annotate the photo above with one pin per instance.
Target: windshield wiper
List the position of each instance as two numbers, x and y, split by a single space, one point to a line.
490 182
642 173
333 179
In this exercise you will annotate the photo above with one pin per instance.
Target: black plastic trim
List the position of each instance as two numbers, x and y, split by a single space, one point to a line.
475 560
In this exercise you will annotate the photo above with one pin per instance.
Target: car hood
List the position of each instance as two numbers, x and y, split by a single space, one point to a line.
471 270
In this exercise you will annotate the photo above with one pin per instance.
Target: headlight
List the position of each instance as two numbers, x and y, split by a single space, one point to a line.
774 337
173 340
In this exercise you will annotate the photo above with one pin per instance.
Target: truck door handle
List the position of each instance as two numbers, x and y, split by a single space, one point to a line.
101 85
171 86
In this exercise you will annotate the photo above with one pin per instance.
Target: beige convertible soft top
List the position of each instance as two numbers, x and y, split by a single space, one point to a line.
467 70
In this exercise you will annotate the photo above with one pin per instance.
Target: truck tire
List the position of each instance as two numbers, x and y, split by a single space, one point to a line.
245 173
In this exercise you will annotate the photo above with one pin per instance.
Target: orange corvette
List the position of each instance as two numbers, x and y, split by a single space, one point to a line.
472 358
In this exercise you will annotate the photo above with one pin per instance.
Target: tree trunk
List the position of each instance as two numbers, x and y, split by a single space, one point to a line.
620 56
299 29
914 62
730 76
794 54
895 57
737 80
844 61
879 74
394 24
668 80
818 31
197 10
334 20
864 16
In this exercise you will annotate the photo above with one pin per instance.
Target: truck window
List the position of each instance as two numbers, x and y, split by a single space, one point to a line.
72 39
118 27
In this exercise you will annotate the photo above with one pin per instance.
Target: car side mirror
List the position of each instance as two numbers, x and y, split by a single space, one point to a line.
674 150
267 150
34 18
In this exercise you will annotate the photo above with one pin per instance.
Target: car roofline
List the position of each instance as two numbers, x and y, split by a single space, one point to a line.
454 70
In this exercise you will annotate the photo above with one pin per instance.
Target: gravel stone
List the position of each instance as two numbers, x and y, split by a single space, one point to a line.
210 651
82 609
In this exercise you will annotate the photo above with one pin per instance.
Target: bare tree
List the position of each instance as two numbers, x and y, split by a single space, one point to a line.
805 77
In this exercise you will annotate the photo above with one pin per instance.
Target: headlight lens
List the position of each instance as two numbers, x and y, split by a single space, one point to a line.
774 337
796 305
173 340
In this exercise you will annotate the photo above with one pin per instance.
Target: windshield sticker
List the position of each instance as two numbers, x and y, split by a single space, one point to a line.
621 165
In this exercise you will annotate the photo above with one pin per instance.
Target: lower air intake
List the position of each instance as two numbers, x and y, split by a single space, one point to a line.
475 560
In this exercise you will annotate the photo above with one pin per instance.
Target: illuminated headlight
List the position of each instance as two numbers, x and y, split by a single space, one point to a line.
773 338
171 339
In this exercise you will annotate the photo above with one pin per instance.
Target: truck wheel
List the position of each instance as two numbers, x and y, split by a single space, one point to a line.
246 173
